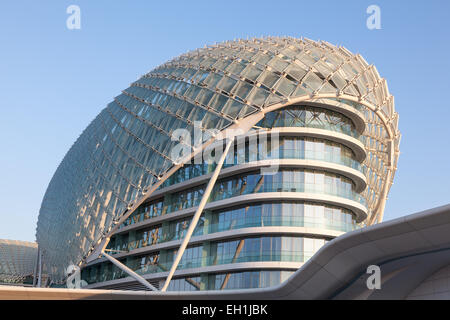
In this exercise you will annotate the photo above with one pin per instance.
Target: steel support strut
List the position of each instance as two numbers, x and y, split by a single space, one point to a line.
40 269
197 214
133 274
36 269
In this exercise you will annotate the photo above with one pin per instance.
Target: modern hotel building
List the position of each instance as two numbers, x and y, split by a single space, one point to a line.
319 117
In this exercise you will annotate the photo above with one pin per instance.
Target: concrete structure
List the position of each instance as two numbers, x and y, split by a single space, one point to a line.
412 253
318 113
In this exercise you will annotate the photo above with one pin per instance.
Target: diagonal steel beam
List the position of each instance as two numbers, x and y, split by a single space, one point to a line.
197 214
133 274
40 269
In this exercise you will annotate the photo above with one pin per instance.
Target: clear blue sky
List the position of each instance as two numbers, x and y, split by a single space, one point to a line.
54 81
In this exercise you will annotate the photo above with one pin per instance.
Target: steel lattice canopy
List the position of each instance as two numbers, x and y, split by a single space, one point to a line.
125 151
17 260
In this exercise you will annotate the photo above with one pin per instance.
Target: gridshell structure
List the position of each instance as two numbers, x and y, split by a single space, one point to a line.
17 260
123 158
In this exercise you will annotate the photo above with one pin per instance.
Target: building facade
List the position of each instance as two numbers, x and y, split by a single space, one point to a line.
321 116
18 261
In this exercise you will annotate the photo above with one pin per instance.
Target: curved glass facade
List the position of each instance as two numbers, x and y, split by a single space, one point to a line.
268 248
143 234
214 281
282 214
235 280
285 180
287 213
242 250
127 149
301 148
310 117
292 214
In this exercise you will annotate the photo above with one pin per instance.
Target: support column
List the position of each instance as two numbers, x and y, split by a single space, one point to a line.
385 193
40 269
36 268
208 223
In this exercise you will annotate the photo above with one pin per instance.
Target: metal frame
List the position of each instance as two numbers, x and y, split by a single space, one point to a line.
40 269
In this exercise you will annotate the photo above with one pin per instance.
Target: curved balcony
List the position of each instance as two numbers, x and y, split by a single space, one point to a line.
191 171
227 252
310 117
292 214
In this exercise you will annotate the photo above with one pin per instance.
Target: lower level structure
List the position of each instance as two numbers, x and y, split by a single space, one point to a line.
412 253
